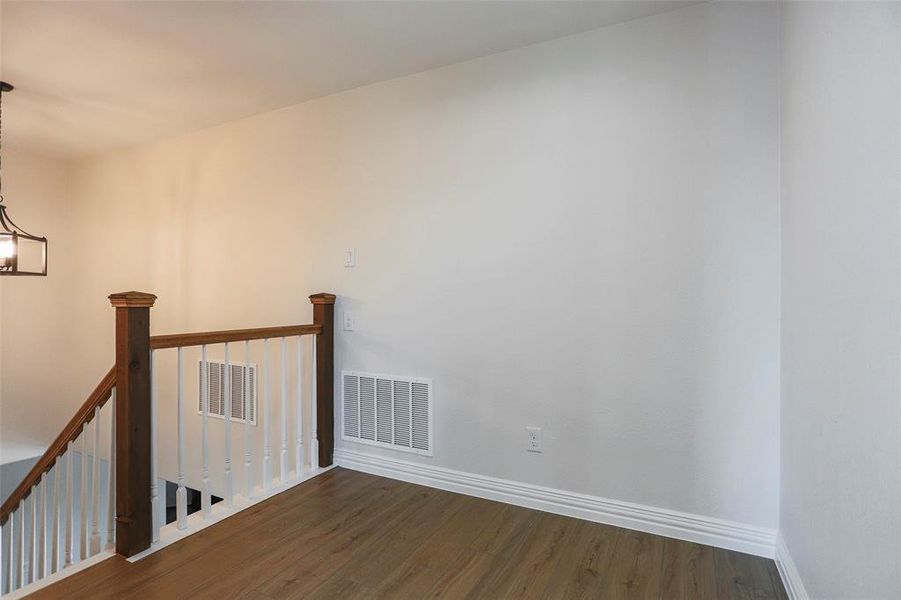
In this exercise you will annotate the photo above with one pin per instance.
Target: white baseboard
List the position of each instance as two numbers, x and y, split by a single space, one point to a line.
791 579
684 526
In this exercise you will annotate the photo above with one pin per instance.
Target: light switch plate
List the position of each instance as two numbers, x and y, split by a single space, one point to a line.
350 258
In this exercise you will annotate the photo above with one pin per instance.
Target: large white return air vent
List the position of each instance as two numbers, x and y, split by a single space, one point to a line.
217 390
387 411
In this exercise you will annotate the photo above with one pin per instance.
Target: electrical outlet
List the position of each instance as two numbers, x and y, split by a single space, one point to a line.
533 444
350 258
349 321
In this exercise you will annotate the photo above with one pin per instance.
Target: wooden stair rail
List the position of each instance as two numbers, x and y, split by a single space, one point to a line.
73 428
133 407
131 377
158 342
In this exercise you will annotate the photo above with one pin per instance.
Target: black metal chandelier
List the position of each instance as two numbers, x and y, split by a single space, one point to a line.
21 253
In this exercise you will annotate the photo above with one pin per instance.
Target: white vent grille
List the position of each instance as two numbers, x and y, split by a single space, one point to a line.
217 390
384 410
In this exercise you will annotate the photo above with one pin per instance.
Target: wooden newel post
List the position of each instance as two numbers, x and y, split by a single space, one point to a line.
324 314
133 509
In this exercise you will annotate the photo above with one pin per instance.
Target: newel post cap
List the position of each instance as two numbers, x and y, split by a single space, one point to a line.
322 298
132 300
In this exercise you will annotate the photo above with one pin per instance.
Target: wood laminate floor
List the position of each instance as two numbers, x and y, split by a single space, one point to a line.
350 535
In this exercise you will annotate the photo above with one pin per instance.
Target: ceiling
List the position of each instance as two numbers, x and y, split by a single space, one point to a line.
92 77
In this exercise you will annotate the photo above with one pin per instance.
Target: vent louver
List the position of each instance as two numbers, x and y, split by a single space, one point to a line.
388 411
217 375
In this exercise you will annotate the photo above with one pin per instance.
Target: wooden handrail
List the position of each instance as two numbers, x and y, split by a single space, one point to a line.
97 399
180 340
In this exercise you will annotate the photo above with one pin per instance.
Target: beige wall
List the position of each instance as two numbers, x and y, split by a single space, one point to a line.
580 235
37 374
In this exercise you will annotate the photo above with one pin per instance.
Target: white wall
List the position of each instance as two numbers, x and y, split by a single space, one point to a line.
12 474
580 235
35 323
841 186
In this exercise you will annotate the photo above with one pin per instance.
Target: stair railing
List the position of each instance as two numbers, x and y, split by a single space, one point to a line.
57 515
40 536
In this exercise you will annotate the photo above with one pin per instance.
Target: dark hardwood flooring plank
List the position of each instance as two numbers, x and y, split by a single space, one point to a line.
589 557
360 548
448 549
742 576
393 547
530 568
487 555
636 565
689 571
345 589
505 529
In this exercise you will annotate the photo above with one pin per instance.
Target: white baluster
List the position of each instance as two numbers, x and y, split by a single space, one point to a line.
283 412
11 553
55 545
267 450
181 496
11 525
33 536
10 563
23 543
41 545
154 486
7 558
84 524
314 436
111 480
37 550
14 555
83 498
10 566
298 425
26 542
229 477
48 524
248 477
24 528
69 505
95 487
205 396
22 563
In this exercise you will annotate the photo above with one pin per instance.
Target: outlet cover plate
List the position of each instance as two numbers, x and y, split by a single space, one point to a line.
533 440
